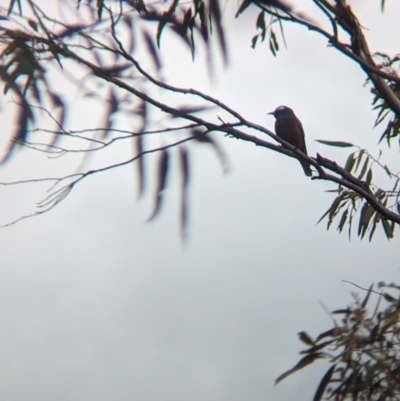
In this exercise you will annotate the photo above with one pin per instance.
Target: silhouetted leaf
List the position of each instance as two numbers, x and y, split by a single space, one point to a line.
328 333
100 6
24 115
274 40
11 6
305 338
369 177
164 19
377 219
242 7
359 158
350 163
307 360
138 142
339 144
272 47
163 165
324 383
152 49
33 25
254 41
341 311
364 168
367 212
112 107
185 173
317 347
260 23
365 301
215 14
343 220
204 137
388 228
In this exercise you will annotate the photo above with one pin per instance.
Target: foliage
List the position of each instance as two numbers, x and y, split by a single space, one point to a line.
104 43
362 350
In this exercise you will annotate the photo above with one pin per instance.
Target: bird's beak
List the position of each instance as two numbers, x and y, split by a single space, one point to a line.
272 112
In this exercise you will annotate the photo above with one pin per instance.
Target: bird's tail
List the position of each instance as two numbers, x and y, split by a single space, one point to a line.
306 168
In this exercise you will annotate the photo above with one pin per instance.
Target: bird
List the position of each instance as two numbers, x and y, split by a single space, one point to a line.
289 128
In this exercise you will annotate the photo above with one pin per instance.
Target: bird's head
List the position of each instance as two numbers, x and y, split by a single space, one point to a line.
282 112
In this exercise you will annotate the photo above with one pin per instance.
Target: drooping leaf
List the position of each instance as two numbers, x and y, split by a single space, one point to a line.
359 158
317 347
11 6
215 14
59 105
185 176
305 338
254 41
112 107
164 19
324 383
366 299
33 24
138 146
100 6
339 144
364 168
205 138
377 219
138 142
343 220
366 213
328 333
274 40
272 47
24 115
369 178
242 7
162 171
350 162
388 228
260 23
307 360
152 49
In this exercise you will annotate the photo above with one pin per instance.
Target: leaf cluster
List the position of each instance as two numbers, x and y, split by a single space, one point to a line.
362 349
347 203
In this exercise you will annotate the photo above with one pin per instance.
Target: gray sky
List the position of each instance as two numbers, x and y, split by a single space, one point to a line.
95 304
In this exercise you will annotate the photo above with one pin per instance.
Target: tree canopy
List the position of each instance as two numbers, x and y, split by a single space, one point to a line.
102 42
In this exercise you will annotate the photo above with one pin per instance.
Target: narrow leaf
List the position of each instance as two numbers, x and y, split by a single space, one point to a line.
388 228
215 13
163 165
339 144
328 333
364 168
305 338
184 168
350 163
367 212
307 360
343 220
152 49
164 19
365 301
324 383
242 7
100 5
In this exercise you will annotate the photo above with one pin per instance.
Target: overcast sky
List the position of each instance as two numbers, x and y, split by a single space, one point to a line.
96 304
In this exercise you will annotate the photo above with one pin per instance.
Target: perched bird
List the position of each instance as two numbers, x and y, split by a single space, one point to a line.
289 128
